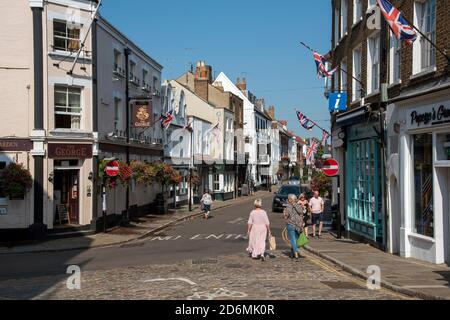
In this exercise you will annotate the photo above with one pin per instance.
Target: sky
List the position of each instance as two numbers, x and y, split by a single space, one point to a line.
255 39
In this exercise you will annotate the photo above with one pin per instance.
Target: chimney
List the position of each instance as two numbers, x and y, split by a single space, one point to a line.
241 85
271 112
203 78
203 72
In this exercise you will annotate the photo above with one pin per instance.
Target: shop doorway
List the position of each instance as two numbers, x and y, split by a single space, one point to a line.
66 195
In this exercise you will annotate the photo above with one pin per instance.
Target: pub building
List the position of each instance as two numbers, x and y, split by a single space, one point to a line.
419 129
61 116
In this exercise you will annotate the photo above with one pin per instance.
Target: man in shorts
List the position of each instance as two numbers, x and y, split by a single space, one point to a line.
316 205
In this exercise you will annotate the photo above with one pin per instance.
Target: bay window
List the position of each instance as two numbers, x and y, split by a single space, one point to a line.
67 107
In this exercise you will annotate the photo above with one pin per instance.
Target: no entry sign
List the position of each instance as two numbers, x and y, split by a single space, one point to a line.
112 168
330 167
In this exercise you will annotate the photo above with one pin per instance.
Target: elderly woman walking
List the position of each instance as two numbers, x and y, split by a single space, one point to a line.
293 215
258 228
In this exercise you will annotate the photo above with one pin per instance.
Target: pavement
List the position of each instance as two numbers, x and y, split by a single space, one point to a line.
137 229
407 276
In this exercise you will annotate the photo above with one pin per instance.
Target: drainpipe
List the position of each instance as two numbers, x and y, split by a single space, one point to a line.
95 160
38 229
127 128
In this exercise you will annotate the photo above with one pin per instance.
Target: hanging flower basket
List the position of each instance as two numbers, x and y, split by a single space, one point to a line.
195 179
16 181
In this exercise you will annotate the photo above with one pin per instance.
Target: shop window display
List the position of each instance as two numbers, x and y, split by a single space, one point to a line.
423 185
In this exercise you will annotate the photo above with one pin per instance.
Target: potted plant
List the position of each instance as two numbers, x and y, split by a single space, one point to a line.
16 181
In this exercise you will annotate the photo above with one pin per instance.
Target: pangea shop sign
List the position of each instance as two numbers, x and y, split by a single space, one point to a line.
142 114
435 116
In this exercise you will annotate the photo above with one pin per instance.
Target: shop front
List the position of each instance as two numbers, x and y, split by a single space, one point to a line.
423 128
16 213
364 183
69 185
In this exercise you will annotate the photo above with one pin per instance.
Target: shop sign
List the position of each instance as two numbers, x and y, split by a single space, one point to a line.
15 145
435 116
69 151
142 114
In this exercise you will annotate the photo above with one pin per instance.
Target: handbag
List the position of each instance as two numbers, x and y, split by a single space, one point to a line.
302 240
272 243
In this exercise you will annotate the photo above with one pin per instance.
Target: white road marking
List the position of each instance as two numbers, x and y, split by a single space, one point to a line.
172 279
218 293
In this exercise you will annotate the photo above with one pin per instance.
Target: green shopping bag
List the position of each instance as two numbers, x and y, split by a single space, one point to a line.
302 240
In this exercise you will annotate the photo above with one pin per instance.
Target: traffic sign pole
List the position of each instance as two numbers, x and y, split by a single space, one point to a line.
331 169
112 170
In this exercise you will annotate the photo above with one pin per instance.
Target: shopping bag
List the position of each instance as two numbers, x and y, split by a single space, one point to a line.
302 240
272 243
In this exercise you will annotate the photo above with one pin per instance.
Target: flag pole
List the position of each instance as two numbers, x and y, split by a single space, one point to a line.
443 52
339 67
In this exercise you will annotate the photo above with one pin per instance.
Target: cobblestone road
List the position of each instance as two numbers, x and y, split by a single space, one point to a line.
225 277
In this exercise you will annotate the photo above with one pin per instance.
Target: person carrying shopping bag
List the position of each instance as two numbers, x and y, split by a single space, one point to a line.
294 224
258 229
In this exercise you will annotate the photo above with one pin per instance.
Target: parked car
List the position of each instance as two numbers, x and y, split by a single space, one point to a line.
294 181
280 199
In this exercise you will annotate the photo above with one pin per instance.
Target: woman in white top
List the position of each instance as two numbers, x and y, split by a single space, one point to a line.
206 203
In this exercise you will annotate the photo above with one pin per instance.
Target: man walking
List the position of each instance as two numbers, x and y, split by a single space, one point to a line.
317 206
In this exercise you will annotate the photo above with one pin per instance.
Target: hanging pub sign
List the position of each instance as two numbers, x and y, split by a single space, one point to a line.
142 113
433 116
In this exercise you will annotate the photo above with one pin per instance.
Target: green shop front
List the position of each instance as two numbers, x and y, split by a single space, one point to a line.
222 181
364 183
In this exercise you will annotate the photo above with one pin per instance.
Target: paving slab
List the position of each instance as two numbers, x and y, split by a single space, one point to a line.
416 278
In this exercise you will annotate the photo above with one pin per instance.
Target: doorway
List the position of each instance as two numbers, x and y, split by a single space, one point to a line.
66 193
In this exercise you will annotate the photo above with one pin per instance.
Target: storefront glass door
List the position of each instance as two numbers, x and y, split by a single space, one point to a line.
363 195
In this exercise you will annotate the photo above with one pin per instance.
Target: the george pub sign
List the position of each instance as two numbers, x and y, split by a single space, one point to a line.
142 113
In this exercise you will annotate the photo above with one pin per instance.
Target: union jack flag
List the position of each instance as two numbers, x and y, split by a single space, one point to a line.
167 119
311 151
398 24
325 137
304 121
321 70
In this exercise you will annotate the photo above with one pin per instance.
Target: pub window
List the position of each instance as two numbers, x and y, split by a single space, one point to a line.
217 182
423 185
67 107
65 38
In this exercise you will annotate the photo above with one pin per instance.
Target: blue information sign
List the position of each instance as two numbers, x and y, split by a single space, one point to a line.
337 101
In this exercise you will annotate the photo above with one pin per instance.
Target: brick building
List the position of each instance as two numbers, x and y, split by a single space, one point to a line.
396 179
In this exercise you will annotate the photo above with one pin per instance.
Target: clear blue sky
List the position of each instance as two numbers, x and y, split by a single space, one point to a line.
256 39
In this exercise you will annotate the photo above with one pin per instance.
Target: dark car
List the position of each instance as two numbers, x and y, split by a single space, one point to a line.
281 196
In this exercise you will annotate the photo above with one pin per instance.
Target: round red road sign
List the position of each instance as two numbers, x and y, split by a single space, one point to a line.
330 167
112 168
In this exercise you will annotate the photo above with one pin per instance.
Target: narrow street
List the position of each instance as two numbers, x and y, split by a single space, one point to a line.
196 259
